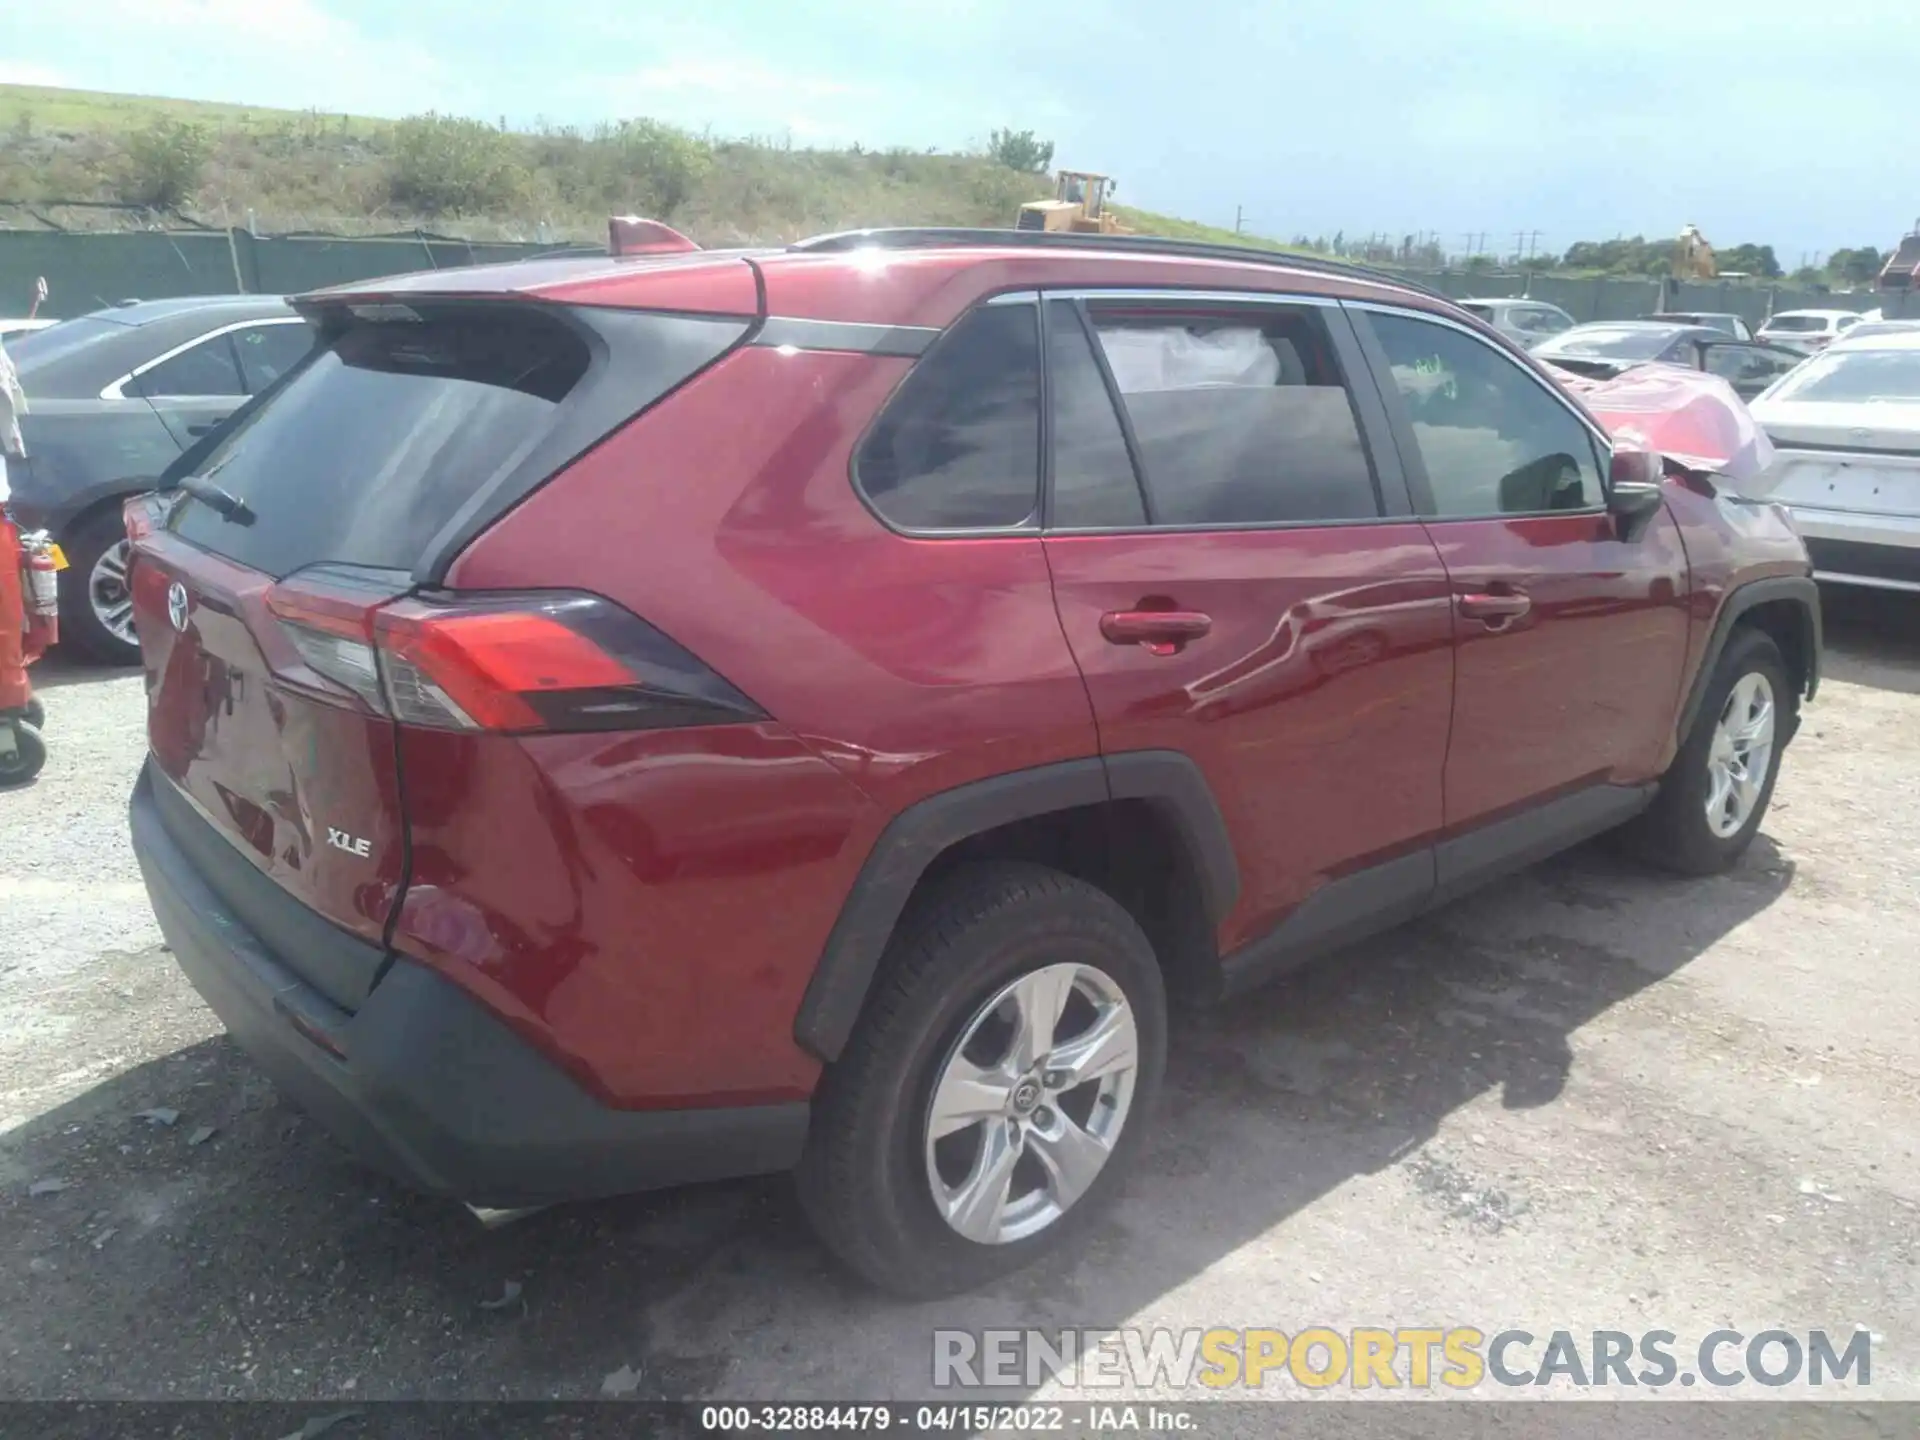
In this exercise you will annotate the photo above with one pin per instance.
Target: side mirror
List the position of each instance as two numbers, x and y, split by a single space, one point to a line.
1636 467
1633 490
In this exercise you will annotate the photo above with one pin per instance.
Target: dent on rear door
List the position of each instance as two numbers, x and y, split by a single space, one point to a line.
1316 703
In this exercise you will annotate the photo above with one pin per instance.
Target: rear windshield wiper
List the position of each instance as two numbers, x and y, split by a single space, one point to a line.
228 505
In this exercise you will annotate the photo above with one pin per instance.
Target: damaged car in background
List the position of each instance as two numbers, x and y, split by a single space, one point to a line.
1607 349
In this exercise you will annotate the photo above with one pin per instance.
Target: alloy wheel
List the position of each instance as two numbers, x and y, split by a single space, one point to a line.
107 592
1739 757
1030 1102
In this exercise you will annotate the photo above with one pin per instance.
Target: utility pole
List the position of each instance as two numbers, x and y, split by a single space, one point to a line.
1236 219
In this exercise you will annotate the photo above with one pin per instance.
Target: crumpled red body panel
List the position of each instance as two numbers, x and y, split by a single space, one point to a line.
1687 415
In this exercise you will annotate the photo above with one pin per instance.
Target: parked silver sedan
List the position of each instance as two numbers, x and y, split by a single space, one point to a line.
1846 433
1525 322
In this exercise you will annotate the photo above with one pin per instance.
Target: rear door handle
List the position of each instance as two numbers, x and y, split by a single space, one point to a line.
1496 610
1162 632
203 428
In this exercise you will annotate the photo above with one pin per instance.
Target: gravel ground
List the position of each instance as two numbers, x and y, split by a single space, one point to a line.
1589 1098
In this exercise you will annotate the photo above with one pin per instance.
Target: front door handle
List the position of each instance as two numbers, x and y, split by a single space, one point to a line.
203 427
1497 610
1162 632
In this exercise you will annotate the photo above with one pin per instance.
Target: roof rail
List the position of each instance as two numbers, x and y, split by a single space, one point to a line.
910 238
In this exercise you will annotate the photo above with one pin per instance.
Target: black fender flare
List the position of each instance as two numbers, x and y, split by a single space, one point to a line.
1799 589
1166 780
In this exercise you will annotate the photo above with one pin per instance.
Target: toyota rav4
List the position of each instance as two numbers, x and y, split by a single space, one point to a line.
621 721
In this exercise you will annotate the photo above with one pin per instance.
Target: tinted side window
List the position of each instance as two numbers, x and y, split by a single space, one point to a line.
1093 479
1752 363
207 369
1549 322
268 351
1494 442
1729 362
1241 417
958 445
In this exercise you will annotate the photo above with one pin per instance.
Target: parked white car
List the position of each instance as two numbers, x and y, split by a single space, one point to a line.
1845 428
1526 322
1872 327
1808 330
9 329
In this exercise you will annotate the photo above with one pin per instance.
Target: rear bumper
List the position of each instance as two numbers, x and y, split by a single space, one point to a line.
1879 551
426 1083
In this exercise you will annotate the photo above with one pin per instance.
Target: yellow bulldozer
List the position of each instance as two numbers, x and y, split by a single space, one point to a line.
1079 205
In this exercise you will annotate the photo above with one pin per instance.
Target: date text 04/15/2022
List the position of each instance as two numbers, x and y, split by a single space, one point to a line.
955 1419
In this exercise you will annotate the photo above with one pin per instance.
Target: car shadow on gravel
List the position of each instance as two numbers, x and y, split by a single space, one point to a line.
159 1261
58 670
1872 637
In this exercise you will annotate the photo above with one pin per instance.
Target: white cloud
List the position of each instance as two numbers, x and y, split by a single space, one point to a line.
739 79
290 53
21 72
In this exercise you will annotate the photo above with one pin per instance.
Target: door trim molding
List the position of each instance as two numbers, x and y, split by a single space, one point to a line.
1366 902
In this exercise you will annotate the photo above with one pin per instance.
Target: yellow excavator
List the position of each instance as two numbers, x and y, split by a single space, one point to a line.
1079 205
1901 273
1693 256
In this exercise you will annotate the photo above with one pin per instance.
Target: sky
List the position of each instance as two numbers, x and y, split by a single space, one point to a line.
1760 122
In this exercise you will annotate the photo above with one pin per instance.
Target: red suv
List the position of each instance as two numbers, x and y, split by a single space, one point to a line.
625 721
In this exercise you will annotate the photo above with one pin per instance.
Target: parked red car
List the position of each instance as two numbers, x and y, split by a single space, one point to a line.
618 722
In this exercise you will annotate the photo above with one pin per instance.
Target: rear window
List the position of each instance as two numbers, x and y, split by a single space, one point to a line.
1856 377
69 337
1615 342
1485 312
396 423
1797 324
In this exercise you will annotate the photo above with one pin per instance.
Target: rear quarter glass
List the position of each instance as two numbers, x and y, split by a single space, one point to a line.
411 426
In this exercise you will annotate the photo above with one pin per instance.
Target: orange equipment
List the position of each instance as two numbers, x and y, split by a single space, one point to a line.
29 623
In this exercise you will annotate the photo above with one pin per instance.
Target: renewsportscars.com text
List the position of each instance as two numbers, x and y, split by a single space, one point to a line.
1459 1357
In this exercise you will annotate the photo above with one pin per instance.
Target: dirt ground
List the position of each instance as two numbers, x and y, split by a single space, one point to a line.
1591 1097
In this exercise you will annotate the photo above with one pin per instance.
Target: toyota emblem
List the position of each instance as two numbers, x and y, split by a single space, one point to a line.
177 605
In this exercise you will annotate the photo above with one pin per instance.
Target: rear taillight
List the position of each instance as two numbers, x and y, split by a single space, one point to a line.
512 662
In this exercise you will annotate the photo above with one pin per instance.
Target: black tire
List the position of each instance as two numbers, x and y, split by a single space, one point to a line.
1673 832
29 754
864 1178
81 629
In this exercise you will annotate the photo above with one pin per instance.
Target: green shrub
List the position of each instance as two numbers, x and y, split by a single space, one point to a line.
441 164
1019 150
164 163
660 164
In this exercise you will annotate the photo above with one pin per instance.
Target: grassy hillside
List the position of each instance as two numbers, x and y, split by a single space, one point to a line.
85 111
308 170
